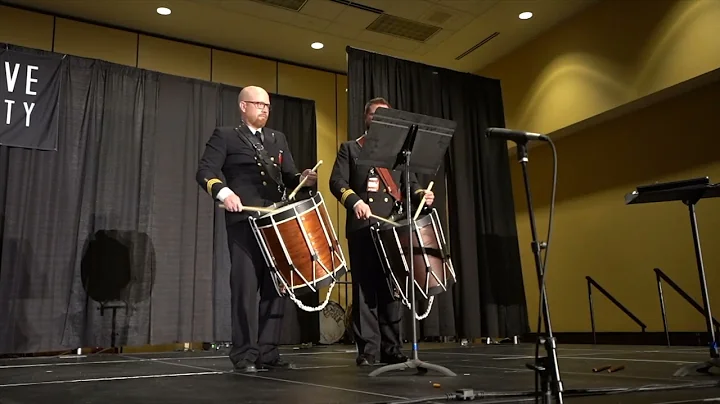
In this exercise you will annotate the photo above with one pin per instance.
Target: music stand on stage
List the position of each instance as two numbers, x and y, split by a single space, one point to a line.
689 192
392 138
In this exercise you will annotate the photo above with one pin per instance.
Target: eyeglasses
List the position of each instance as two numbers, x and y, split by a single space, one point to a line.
259 105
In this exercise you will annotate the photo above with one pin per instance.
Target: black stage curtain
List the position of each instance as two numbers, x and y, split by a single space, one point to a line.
473 191
109 240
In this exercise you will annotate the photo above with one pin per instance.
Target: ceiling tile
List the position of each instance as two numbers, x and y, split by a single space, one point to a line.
355 18
402 44
446 18
343 30
324 9
276 14
410 9
373 37
251 27
473 7
439 38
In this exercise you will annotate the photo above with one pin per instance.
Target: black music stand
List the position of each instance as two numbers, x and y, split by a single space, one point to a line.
689 192
392 138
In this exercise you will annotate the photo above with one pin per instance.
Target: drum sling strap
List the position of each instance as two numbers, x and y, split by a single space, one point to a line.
386 178
270 167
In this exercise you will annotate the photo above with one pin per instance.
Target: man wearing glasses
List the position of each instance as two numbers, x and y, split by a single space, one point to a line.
258 169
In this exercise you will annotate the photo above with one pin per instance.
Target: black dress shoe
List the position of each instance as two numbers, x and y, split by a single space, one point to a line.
393 358
244 368
365 360
280 363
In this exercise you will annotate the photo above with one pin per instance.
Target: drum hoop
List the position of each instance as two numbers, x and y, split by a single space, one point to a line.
422 221
289 212
318 280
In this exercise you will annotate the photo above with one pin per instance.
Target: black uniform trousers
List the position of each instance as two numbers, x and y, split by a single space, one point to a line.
376 315
257 309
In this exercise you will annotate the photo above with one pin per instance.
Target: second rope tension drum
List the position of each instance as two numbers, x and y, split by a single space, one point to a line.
301 249
434 271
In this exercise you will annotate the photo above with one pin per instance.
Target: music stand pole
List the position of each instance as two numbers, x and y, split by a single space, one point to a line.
393 137
411 222
415 362
547 367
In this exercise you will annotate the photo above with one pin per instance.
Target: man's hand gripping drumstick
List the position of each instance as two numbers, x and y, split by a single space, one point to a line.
382 219
248 208
428 198
232 203
311 174
363 211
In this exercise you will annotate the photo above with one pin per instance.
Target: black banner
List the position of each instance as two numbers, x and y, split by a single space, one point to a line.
29 100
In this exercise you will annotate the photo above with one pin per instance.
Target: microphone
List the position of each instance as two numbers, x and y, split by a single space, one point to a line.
514 135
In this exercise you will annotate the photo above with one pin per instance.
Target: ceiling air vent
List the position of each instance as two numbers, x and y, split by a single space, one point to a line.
477 45
404 28
294 5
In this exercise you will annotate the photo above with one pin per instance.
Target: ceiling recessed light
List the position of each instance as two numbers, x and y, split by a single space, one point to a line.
317 45
163 11
525 15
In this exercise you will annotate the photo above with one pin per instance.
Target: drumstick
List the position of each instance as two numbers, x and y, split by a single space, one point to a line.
382 219
295 191
252 208
422 202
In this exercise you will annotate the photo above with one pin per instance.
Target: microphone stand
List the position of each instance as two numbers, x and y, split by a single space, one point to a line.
547 367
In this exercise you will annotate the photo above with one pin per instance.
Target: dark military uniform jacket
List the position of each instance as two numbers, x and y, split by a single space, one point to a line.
351 182
230 161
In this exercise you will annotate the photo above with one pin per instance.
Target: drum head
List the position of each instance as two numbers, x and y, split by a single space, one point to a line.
288 211
422 221
332 323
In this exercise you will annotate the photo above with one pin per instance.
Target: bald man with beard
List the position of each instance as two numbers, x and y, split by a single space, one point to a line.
258 169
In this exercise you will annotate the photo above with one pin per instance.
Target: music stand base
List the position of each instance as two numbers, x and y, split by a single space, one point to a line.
421 366
700 367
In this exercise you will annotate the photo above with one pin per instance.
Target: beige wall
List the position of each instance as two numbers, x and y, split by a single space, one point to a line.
61 35
611 54
615 53
618 245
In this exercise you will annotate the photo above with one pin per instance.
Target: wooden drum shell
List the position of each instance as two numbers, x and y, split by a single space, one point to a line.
392 243
292 233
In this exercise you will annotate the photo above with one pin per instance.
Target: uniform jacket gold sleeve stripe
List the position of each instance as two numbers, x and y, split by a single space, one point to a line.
345 195
210 184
